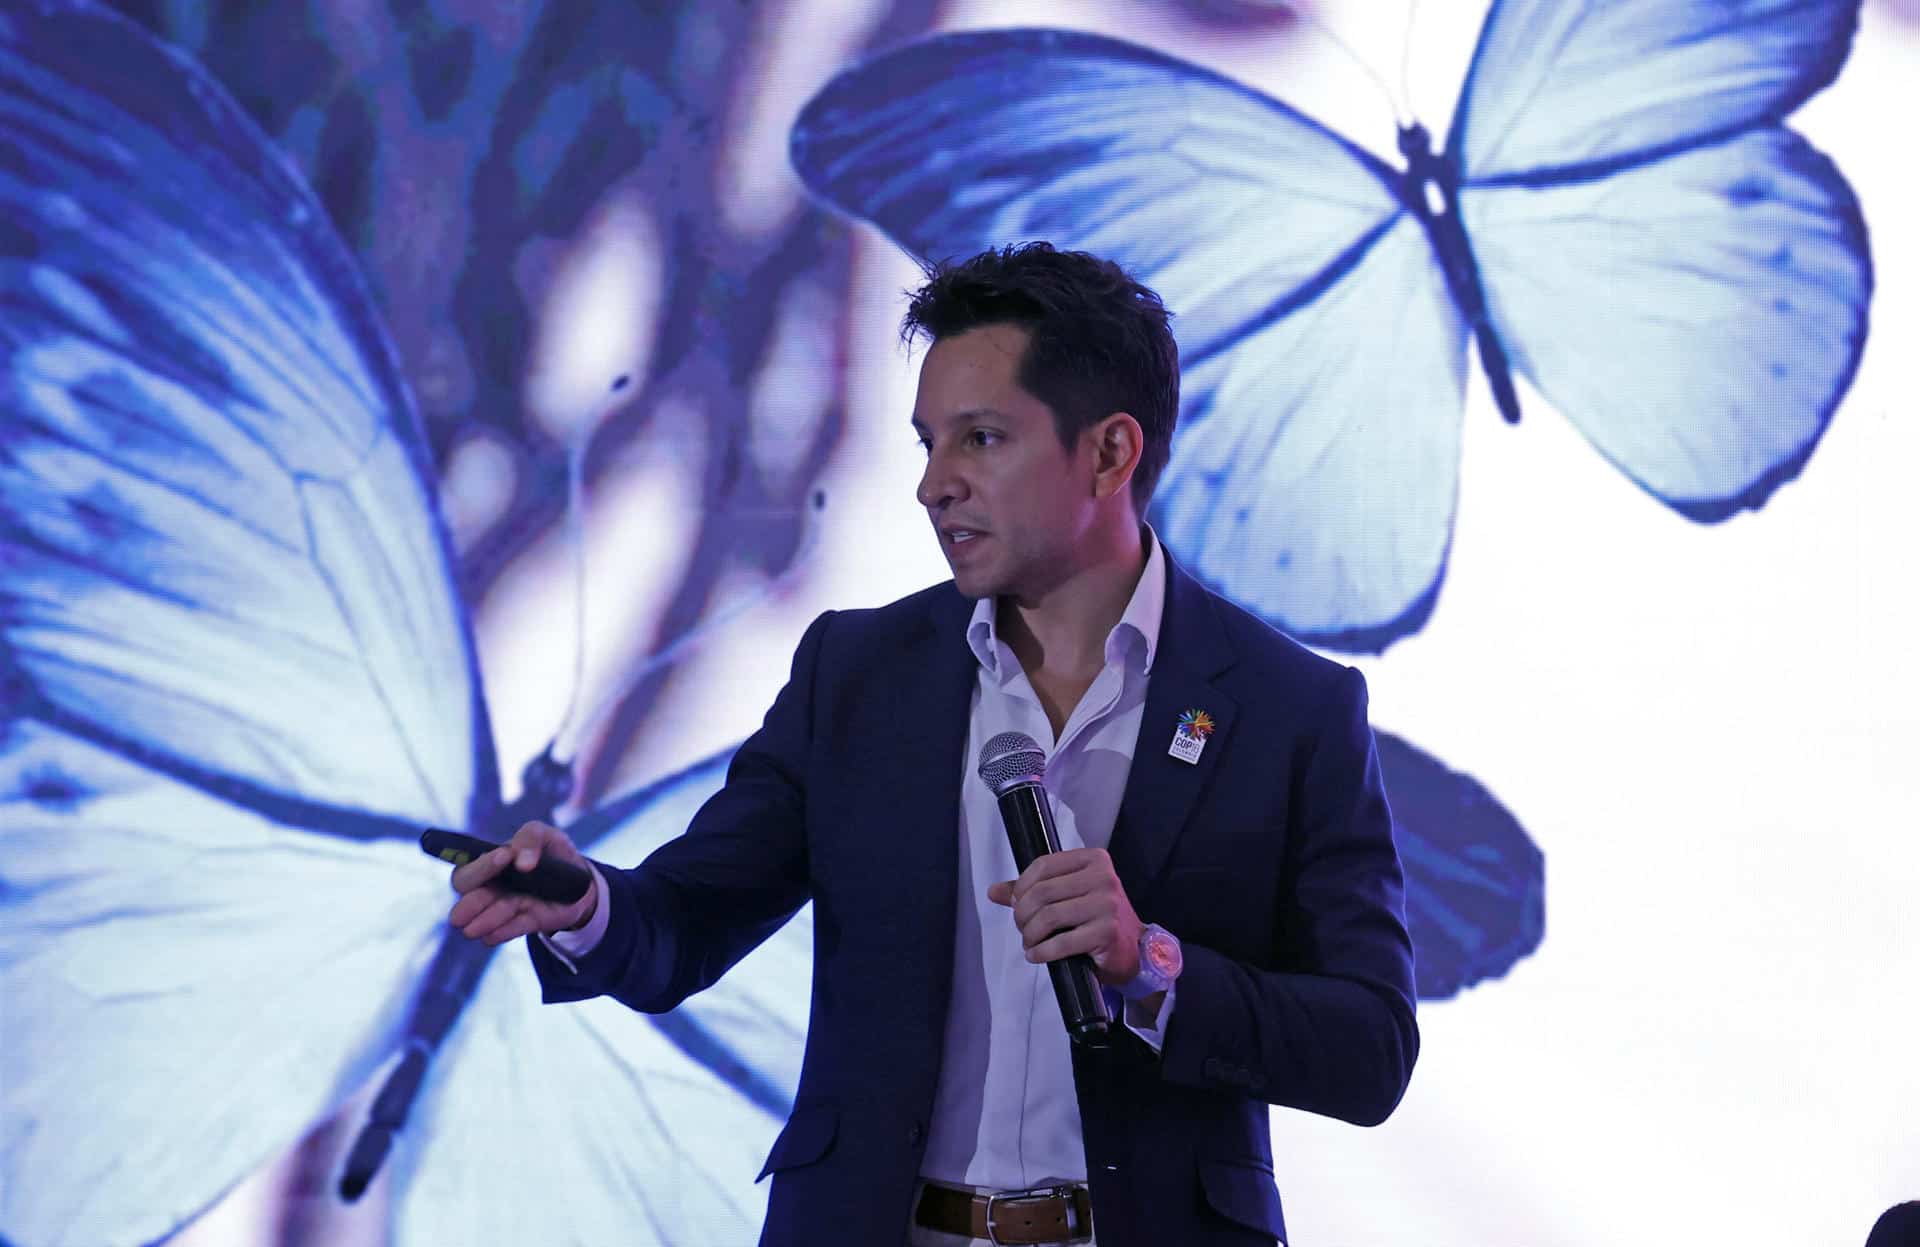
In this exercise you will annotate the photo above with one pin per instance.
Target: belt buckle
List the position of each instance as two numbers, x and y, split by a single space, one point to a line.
1062 1192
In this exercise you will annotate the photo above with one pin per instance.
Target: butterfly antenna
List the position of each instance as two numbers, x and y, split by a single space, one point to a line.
567 745
1402 116
577 542
1406 63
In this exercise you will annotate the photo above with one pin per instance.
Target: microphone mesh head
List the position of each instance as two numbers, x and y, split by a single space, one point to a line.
1009 758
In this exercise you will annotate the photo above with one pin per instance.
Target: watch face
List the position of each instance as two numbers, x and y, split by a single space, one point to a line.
1163 953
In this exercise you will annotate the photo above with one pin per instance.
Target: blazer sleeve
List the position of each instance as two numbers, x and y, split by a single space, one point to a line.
702 901
1332 1031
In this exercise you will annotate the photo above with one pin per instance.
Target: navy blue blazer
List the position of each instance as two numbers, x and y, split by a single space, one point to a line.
1272 859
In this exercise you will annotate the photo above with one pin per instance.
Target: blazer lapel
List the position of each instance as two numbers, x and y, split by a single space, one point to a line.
929 733
928 730
1162 790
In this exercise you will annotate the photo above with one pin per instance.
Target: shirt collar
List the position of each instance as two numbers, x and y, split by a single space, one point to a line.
1137 633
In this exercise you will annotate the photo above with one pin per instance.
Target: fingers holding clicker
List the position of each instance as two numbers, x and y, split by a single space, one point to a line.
521 853
498 916
536 840
491 913
481 870
474 883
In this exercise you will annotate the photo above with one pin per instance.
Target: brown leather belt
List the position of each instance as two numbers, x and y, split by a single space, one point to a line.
1045 1214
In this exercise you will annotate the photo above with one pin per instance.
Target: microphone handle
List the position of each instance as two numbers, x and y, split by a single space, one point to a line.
1025 810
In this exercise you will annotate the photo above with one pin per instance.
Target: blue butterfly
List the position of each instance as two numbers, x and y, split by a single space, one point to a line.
1618 214
235 682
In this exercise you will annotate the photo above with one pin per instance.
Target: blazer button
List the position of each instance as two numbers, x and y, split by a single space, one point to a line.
915 1133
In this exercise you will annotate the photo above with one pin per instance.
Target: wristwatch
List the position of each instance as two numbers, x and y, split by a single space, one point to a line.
1160 963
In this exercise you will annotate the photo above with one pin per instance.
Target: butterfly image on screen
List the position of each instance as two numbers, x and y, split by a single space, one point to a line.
236 681
1618 214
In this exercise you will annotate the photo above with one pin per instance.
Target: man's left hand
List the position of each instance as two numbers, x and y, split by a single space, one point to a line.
1072 902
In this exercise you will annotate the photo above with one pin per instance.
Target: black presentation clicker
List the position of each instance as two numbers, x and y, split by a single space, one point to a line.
550 880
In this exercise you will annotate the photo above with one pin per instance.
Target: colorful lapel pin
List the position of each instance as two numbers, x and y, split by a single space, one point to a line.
1190 737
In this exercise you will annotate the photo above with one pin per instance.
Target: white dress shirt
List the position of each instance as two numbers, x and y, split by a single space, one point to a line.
1005 1115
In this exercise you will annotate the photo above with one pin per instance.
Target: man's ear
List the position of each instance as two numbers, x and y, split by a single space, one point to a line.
1117 445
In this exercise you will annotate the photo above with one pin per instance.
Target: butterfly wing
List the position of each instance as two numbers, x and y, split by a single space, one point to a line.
1331 512
1225 199
232 667
220 549
188 987
1560 90
1683 277
1316 488
653 1126
1698 318
1476 882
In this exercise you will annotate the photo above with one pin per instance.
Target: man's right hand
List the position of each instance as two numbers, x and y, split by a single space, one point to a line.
495 915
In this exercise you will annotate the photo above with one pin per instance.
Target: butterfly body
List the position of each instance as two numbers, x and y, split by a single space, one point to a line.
446 988
1431 192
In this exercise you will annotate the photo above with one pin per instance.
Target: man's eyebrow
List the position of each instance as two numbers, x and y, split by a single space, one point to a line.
971 413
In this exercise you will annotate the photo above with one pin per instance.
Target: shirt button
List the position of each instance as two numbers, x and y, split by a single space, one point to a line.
915 1133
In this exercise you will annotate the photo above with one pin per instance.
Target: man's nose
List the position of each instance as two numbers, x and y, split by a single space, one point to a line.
939 485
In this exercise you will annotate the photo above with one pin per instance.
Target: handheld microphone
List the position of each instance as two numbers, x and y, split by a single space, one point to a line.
1010 765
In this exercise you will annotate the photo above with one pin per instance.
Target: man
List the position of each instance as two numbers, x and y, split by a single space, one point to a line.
1219 806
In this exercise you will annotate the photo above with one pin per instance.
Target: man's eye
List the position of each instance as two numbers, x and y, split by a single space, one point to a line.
981 437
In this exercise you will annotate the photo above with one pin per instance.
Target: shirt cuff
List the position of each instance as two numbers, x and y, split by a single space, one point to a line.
1152 1028
567 946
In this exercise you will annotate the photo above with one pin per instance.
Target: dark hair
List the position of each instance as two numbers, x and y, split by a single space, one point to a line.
1098 340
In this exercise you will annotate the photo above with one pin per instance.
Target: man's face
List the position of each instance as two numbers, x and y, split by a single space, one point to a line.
1010 504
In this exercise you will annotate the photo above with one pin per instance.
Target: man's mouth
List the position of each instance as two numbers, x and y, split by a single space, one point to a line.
959 536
